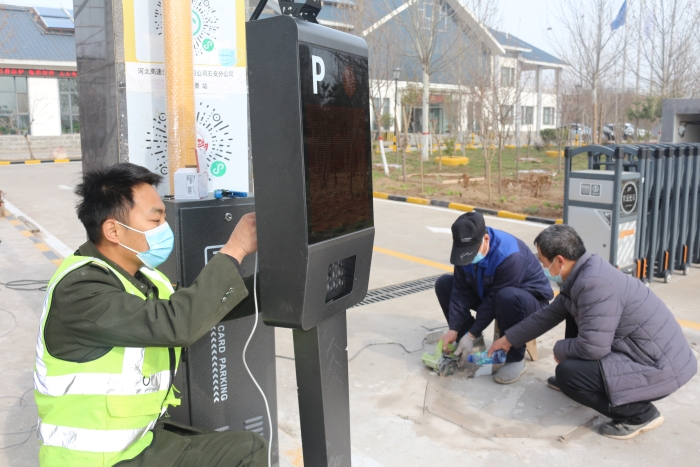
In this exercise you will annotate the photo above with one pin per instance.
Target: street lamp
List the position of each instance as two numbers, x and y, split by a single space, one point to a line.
397 75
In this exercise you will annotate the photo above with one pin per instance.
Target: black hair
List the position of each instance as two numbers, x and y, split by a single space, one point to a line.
108 193
561 240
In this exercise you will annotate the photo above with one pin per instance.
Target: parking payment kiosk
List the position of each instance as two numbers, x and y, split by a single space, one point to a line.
310 137
604 207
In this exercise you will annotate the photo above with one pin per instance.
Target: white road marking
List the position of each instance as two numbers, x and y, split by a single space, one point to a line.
50 240
440 230
65 187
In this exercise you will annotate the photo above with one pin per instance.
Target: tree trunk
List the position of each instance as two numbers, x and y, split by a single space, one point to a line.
517 160
425 137
381 149
439 153
595 135
422 190
29 145
488 177
500 164
404 146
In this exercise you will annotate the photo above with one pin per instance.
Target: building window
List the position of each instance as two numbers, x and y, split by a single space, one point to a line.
68 90
527 112
548 115
507 76
506 114
14 105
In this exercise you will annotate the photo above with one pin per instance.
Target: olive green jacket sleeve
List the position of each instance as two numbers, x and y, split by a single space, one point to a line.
90 309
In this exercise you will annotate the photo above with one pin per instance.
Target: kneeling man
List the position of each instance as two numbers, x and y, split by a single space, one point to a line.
629 350
499 277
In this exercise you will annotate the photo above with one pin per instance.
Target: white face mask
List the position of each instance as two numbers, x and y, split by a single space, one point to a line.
160 244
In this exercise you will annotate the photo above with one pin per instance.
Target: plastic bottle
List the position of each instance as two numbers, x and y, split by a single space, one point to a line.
482 358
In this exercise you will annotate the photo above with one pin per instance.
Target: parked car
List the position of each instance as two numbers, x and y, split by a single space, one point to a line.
583 132
628 131
608 132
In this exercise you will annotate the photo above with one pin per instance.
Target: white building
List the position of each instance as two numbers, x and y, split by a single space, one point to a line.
38 78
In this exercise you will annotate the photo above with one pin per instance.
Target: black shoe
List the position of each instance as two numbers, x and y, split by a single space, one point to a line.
618 430
552 383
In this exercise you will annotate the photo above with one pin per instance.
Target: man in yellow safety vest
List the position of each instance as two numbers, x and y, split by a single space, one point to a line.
112 329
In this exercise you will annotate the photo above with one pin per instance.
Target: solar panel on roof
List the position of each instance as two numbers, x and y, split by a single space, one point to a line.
51 12
58 23
339 2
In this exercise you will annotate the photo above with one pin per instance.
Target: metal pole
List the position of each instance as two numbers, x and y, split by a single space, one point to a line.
321 361
615 222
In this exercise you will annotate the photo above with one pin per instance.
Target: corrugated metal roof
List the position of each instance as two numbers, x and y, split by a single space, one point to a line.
22 38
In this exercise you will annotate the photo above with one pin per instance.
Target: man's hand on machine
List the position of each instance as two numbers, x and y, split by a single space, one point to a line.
243 240
500 344
447 339
465 347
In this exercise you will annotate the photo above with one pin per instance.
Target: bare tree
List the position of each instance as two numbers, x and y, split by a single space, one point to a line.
432 35
672 57
589 43
384 57
39 112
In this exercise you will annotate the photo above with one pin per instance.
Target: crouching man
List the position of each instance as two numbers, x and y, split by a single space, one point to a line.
629 350
499 277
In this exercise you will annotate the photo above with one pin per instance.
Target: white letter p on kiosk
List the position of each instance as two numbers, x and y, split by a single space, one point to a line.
319 71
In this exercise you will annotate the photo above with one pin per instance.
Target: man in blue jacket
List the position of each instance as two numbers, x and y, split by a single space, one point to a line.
497 276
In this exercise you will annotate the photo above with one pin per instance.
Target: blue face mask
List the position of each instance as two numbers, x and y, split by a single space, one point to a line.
160 245
479 256
558 279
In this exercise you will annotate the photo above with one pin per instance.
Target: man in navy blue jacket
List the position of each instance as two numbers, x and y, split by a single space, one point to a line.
497 276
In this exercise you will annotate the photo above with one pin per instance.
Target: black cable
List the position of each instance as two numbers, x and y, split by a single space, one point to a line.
29 435
258 10
13 327
26 284
370 345
22 404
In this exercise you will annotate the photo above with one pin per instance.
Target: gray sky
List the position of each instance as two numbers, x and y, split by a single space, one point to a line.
526 19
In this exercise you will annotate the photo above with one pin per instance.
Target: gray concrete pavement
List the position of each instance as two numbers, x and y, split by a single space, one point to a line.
402 414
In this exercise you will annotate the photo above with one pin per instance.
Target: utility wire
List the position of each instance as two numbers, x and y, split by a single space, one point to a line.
370 345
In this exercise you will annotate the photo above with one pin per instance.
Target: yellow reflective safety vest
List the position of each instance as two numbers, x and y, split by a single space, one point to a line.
99 413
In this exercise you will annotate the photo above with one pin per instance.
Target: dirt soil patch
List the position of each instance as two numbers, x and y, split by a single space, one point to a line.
531 182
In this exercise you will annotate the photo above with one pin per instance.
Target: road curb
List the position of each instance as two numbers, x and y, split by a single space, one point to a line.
466 208
39 161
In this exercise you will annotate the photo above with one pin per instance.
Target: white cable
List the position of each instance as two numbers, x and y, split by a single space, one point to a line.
267 406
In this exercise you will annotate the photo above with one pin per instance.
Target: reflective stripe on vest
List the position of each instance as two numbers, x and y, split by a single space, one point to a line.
102 406
83 439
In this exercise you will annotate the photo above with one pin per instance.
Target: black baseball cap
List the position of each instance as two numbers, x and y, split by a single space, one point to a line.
467 234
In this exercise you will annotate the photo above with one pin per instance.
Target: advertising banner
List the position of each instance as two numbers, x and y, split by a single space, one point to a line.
221 104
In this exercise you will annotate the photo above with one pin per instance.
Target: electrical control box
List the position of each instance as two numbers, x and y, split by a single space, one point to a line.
311 148
215 389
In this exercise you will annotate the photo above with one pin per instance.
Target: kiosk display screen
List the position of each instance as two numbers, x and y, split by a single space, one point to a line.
337 146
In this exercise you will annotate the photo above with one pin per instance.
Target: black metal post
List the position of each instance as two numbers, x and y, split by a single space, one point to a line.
617 188
324 401
567 173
